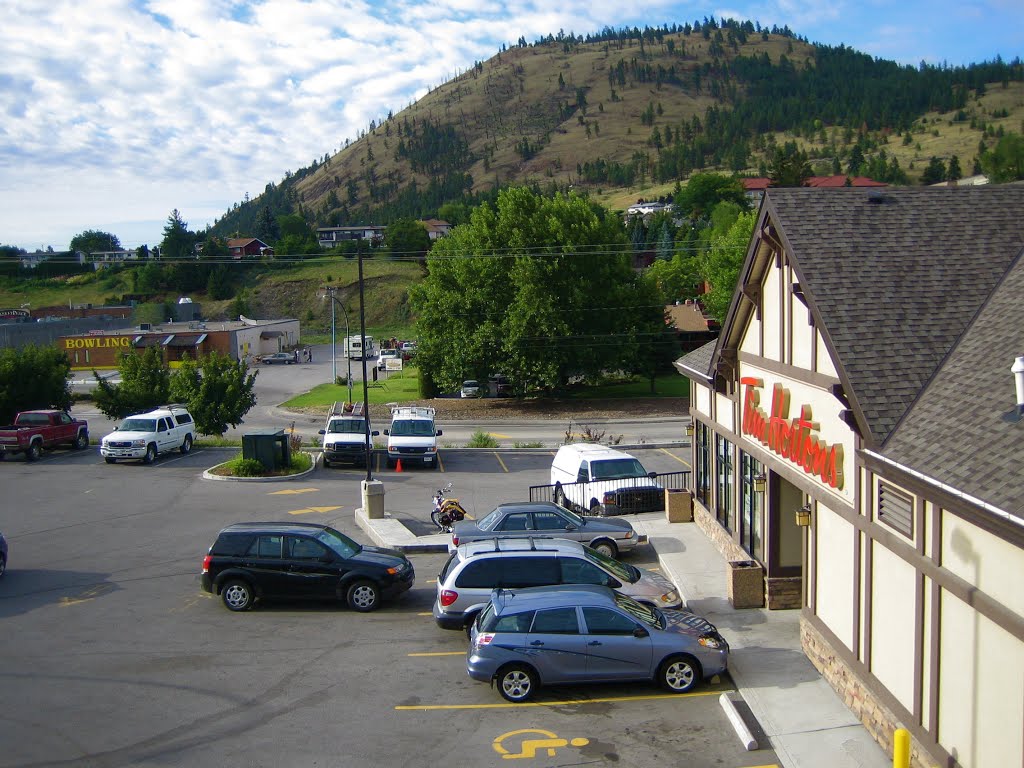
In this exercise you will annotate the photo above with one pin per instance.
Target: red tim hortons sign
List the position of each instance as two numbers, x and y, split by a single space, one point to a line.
793 439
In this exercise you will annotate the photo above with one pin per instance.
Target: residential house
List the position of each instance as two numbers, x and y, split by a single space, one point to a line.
248 248
436 228
754 187
329 237
858 437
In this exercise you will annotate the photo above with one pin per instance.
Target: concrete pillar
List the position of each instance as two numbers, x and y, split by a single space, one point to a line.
373 498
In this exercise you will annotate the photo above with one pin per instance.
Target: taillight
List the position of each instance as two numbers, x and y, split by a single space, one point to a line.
448 596
609 497
484 638
206 563
455 539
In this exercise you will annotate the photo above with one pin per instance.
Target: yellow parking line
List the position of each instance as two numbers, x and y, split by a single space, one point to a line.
684 462
425 613
439 653
653 697
498 457
440 464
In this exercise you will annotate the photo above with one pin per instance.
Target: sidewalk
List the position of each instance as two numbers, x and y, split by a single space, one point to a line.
807 723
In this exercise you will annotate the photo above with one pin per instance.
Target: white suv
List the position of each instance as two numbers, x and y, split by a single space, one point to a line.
147 435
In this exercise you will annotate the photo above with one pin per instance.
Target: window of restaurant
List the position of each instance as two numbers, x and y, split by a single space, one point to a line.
702 464
723 482
751 506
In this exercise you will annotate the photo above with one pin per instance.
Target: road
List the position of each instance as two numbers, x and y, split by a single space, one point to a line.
276 384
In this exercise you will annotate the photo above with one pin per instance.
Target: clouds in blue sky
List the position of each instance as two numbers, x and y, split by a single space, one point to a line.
114 112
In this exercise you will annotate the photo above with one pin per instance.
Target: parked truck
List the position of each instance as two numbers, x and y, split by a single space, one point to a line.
32 431
345 435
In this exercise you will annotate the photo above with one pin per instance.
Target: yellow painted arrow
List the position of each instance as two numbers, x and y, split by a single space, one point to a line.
309 510
293 491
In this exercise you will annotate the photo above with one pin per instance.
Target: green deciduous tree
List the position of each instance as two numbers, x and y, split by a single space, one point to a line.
32 377
217 390
145 384
407 237
706 190
1005 162
93 241
722 262
537 288
935 172
789 167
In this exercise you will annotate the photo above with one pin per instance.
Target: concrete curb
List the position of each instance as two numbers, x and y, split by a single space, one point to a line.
208 474
391 533
746 737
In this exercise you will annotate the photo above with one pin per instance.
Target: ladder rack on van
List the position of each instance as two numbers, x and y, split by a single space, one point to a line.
339 409
413 411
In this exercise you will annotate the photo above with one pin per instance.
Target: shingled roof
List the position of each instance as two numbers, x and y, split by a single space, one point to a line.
960 431
895 277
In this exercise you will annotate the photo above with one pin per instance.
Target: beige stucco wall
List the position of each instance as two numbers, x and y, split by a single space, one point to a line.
802 334
995 566
833 574
724 412
892 623
771 316
981 680
700 398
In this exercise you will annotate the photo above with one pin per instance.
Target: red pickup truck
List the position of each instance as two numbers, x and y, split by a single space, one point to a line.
33 431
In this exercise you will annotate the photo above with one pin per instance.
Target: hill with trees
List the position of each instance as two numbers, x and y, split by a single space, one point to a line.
633 111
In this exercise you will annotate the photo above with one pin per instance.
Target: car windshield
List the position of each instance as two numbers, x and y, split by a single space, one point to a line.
138 425
491 519
616 469
347 427
470 384
338 542
621 571
649 615
412 428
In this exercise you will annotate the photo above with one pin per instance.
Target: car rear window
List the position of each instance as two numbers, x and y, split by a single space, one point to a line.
447 568
232 544
509 622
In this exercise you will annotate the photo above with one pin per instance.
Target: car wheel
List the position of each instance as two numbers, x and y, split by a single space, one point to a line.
82 441
391 463
362 596
679 674
34 451
186 444
150 456
605 547
237 595
109 460
327 464
517 683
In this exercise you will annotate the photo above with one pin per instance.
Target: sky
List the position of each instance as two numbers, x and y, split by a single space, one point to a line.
116 112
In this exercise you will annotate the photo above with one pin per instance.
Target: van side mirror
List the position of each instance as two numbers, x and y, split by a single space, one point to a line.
322 432
640 632
613 583
652 475
439 433
387 431
375 433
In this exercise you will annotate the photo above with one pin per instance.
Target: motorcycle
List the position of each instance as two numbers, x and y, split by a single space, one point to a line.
446 511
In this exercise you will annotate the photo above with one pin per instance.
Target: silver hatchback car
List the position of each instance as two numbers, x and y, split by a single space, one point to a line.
585 634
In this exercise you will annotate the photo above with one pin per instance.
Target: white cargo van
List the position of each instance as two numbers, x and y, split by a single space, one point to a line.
358 347
412 436
597 480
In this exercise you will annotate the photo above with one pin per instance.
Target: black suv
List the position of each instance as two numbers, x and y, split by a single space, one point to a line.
251 561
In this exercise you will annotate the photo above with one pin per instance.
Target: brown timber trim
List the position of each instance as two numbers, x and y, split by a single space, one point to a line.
869 577
812 378
934 626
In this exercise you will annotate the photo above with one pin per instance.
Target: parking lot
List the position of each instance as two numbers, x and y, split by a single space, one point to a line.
114 656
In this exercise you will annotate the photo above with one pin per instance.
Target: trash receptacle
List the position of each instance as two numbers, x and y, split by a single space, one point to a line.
373 499
269 447
745 584
678 505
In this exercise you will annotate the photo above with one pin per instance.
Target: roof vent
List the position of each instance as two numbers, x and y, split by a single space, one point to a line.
1017 369
876 196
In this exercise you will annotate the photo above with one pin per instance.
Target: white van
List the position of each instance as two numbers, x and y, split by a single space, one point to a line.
597 480
412 436
355 349
345 435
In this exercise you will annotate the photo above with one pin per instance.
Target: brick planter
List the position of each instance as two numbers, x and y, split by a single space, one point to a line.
745 584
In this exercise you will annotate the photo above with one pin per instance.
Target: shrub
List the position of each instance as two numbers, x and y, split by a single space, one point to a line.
481 439
246 467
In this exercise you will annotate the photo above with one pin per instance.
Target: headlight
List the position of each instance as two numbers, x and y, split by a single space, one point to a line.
711 641
670 597
138 443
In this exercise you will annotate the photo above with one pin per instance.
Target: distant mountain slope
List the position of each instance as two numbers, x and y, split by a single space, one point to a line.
635 110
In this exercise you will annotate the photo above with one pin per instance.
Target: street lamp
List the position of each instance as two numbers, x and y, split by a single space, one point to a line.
329 292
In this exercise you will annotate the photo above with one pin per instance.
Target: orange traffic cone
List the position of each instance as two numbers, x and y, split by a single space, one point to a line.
398 466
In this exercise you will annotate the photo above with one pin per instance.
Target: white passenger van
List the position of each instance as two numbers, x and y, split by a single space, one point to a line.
594 479
355 349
